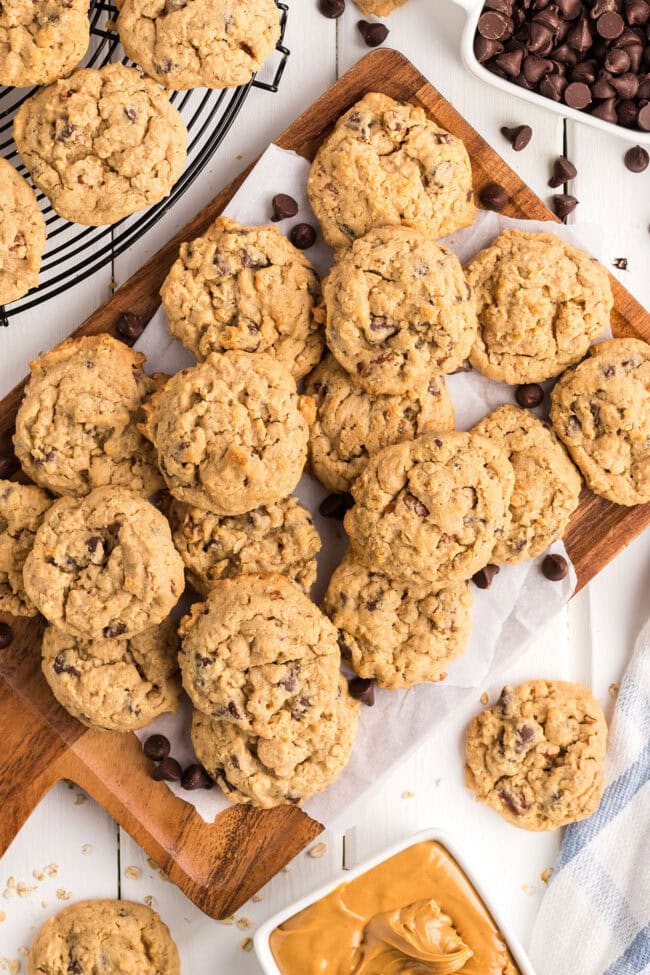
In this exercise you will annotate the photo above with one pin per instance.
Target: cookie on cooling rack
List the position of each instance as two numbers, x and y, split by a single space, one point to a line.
22 235
41 40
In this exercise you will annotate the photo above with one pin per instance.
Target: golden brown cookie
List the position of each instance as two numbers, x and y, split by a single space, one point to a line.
378 8
22 235
41 40
22 509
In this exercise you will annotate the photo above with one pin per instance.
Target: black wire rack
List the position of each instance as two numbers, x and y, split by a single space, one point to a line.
74 252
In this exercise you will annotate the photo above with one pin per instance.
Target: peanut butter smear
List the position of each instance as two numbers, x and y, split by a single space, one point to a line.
414 914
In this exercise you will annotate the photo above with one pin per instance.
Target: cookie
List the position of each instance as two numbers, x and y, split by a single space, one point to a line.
101 144
22 509
540 303
537 756
378 8
22 233
601 412
231 434
351 424
547 485
187 44
393 634
277 537
104 566
41 40
272 772
112 937
247 289
76 426
429 511
117 685
398 310
260 654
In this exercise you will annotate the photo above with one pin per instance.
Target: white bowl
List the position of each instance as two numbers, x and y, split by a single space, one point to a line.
474 9
263 935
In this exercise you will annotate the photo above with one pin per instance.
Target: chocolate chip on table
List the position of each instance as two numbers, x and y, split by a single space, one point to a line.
284 206
362 690
196 777
518 137
493 197
564 205
529 395
620 263
156 747
331 8
636 159
555 567
484 578
130 326
303 236
563 171
168 771
6 635
335 505
373 34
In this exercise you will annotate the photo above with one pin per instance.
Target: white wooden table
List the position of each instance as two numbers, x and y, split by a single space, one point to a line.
591 642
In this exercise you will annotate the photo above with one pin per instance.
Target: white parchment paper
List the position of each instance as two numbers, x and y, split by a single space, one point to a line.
505 617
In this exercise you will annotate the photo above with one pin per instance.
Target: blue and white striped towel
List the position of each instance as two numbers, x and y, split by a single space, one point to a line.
595 915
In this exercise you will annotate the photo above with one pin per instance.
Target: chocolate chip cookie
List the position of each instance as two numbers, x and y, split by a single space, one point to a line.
540 303
396 635
537 756
187 44
272 538
601 412
429 512
351 424
22 509
260 654
547 485
398 310
112 937
246 289
101 144
387 164
41 40
22 234
231 434
76 426
104 566
379 8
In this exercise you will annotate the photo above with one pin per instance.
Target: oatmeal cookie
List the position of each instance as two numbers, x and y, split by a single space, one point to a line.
231 433
187 44
101 144
112 937
537 756
104 566
601 412
41 40
429 512
247 289
276 537
378 8
547 485
387 164
76 426
22 234
398 310
260 654
351 425
394 634
22 509
540 303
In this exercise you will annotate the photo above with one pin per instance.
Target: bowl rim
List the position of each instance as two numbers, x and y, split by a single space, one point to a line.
262 937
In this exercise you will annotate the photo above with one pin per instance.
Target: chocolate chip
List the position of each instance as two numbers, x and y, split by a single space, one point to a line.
303 236
362 690
510 62
564 205
284 206
563 171
130 326
168 771
485 49
577 95
494 197
610 26
196 777
61 667
627 113
116 628
620 263
335 505
553 86
606 111
529 395
644 118
617 61
523 736
93 544
494 26
6 635
331 8
131 114
233 710
637 12
636 159
627 85
373 34
520 136
484 578
555 567
156 747
570 9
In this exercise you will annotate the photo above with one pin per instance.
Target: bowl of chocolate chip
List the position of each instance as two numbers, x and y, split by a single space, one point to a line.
589 60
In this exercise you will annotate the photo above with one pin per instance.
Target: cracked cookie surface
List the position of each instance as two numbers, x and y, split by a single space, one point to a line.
260 654
391 633
41 40
114 937
537 756
22 509
101 144
199 43
246 289
351 424
277 537
76 426
22 235
104 566
388 164
429 511
540 303
601 412
547 485
118 685
398 310
231 433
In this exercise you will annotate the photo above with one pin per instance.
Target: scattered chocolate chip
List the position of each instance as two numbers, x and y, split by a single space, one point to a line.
493 197
563 171
362 690
564 205
130 326
6 635
373 34
303 236
484 578
196 777
168 771
335 505
529 395
555 567
520 135
620 263
284 206
610 26
331 8
156 747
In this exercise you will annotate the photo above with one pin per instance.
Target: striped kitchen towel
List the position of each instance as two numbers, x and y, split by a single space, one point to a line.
595 915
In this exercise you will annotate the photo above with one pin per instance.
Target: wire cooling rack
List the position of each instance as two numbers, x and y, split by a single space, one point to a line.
74 252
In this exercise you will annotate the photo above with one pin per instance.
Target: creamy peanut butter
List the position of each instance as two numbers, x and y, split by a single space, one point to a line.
414 914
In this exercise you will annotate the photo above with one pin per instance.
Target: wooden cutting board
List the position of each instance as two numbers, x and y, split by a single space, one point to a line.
219 866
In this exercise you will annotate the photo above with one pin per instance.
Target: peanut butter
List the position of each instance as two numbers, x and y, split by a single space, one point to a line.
414 914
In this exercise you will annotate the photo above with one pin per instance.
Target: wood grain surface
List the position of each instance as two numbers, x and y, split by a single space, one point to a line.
219 866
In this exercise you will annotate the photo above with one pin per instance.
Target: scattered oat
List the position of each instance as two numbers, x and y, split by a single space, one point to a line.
87 849
3 916
317 851
23 950
80 799
546 875
286 868
44 904
151 901
240 156
246 944
244 923
227 920
485 697
527 889
52 870
408 795
10 889
11 965
613 690
256 898
24 890
132 873
63 895
38 875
